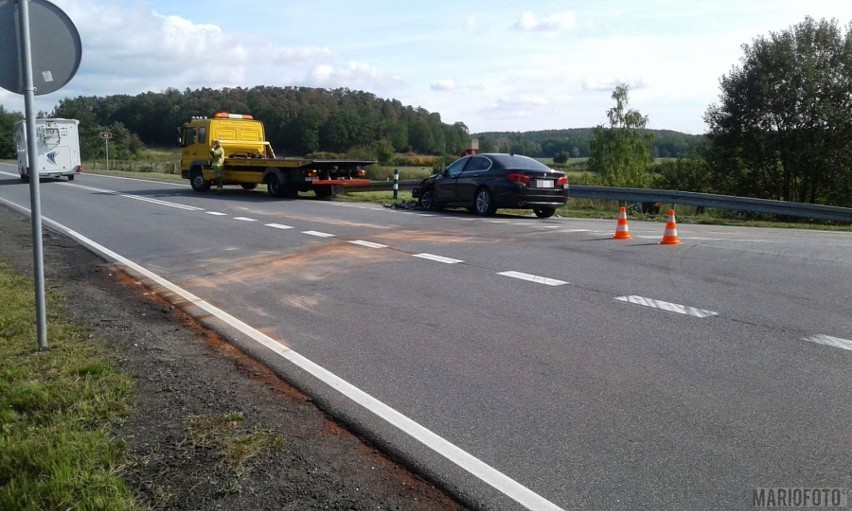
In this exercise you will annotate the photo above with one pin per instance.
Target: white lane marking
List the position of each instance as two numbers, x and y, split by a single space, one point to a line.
440 259
216 213
244 219
533 278
473 465
279 226
318 234
667 306
137 197
369 244
837 342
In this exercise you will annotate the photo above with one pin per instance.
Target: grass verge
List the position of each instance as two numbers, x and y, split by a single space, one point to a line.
57 409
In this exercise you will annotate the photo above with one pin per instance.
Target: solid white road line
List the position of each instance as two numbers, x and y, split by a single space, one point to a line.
279 226
828 340
318 234
136 197
473 465
440 259
533 278
666 306
369 244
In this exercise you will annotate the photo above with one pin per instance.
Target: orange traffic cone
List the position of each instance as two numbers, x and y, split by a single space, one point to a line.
670 235
621 230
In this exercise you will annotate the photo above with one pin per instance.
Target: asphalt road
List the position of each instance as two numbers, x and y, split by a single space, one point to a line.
587 373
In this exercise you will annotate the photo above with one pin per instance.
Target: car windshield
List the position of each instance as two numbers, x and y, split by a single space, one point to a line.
517 161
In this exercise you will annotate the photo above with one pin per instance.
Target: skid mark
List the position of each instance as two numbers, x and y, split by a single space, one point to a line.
429 237
314 263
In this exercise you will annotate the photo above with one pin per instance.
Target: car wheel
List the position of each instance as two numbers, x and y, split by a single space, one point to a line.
544 212
425 201
483 202
196 180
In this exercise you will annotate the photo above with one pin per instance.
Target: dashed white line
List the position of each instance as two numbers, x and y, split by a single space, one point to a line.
666 306
244 219
440 259
369 244
216 213
279 226
318 234
533 278
837 342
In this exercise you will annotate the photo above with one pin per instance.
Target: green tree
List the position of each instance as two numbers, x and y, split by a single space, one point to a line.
621 152
783 126
7 123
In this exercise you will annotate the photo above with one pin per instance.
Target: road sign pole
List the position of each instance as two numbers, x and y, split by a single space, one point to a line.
106 150
32 157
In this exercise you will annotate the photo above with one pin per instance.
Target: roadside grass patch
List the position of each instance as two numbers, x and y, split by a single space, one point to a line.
57 409
225 433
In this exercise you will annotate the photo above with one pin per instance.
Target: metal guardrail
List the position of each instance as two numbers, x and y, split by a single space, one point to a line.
708 200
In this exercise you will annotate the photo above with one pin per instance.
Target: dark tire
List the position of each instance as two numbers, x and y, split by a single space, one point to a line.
483 202
71 177
425 201
196 180
323 192
25 179
273 186
249 186
544 212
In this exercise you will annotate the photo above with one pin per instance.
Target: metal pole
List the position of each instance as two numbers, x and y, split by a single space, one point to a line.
32 159
106 145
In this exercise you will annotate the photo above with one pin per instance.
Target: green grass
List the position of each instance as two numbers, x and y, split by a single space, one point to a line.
57 409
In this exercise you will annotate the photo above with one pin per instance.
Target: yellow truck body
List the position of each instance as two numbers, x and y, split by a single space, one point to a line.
250 160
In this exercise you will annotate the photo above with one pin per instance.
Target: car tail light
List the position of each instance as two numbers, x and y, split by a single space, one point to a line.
562 181
516 177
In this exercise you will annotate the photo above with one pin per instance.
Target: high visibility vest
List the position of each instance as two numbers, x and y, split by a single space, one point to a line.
218 155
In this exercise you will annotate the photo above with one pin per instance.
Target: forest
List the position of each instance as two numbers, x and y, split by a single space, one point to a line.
303 121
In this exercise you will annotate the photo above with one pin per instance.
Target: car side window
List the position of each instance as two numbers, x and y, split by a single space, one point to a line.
478 163
456 167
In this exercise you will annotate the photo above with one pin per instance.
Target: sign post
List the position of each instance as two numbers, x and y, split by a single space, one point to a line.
55 52
106 135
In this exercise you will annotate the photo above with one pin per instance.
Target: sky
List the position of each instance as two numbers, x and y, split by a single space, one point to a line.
497 65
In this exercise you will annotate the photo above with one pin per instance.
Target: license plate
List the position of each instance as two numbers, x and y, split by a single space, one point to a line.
543 183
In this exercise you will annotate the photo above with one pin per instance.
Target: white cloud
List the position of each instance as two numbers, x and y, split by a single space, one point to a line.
443 85
556 22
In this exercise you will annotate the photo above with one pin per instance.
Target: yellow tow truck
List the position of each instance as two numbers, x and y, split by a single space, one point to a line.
250 160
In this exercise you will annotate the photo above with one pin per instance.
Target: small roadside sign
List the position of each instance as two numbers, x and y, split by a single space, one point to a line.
106 134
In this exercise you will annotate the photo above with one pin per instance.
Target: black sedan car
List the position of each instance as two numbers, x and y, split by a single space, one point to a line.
484 182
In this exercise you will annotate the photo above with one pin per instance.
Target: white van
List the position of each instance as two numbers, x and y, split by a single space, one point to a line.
57 148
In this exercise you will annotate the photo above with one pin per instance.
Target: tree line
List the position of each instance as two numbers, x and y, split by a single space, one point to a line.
782 129
304 120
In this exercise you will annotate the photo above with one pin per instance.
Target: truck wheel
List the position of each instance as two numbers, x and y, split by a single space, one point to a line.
249 186
273 186
323 192
196 180
71 177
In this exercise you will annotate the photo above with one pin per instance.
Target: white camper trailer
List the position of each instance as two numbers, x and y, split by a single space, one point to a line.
57 148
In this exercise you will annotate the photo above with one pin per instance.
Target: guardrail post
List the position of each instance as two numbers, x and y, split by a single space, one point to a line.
395 183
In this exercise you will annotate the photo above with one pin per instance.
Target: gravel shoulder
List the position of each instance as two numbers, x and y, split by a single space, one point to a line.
191 387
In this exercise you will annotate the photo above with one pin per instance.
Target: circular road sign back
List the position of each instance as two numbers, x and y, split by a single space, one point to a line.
55 47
